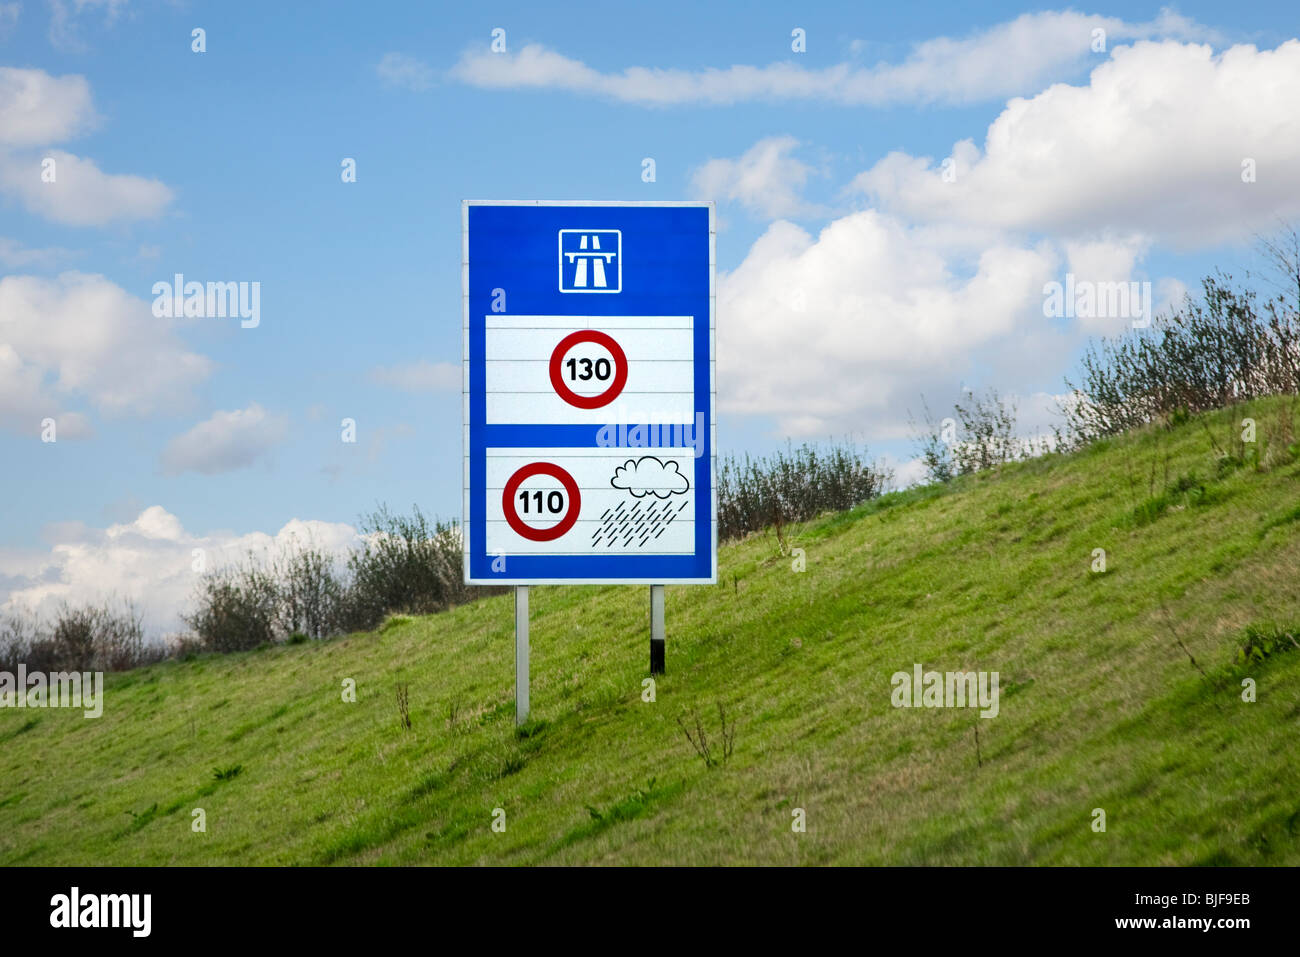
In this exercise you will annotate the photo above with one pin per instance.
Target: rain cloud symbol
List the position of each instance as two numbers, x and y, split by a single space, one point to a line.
645 478
650 476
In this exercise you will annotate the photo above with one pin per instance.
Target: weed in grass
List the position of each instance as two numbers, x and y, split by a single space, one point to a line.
141 818
1292 515
512 763
699 738
404 706
636 805
531 728
1263 641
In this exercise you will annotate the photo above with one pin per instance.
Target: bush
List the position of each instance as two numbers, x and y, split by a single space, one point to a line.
1225 348
18 633
793 486
309 594
981 435
237 609
408 564
81 638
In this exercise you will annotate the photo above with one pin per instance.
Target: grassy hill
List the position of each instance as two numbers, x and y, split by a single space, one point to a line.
1101 704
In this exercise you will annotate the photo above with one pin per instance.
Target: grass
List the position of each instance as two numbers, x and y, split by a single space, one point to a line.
1101 705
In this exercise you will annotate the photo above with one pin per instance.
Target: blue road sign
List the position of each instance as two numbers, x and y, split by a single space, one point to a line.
589 393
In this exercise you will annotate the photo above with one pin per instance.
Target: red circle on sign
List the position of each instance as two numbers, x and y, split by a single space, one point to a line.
620 369
518 524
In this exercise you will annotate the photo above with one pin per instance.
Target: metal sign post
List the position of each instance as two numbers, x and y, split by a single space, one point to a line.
656 629
521 654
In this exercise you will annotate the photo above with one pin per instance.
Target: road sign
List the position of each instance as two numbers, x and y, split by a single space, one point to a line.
589 393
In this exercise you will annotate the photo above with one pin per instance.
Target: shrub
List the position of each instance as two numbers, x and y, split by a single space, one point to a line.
981 435
101 637
237 609
407 564
309 593
1227 347
793 486
18 633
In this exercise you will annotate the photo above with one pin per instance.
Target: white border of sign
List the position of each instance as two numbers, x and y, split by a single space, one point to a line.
713 387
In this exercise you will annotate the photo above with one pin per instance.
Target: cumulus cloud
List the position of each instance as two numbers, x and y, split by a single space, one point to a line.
24 400
841 329
37 109
420 376
766 179
150 560
81 193
649 475
1001 61
404 72
81 335
1153 145
226 441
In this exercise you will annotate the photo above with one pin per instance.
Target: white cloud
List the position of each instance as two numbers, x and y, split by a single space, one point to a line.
37 109
841 331
420 376
81 194
1098 260
766 179
149 560
1004 60
26 405
226 441
905 473
24 400
81 335
404 72
1153 145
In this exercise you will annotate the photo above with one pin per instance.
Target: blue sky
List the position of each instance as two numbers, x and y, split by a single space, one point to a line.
225 166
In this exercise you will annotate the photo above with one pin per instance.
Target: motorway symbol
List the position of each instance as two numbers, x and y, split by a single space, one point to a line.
589 259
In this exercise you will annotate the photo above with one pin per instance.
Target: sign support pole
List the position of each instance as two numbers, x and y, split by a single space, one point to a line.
521 654
656 629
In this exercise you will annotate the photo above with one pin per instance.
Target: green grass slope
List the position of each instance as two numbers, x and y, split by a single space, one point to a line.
1101 704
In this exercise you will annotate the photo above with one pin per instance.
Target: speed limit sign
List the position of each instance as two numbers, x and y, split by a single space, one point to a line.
607 371
589 393
541 514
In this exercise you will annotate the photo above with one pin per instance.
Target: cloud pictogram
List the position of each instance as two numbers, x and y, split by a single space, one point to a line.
650 476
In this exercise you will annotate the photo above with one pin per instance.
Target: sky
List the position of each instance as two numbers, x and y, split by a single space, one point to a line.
896 190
